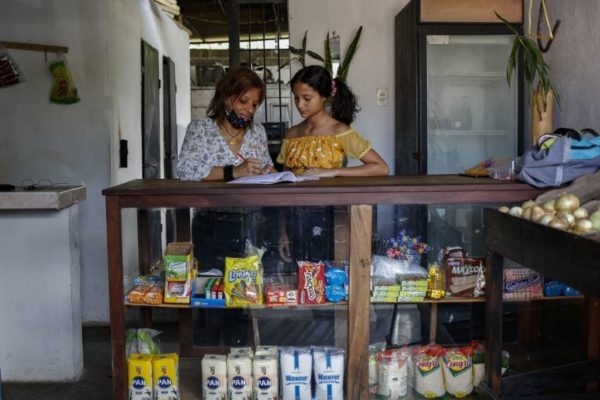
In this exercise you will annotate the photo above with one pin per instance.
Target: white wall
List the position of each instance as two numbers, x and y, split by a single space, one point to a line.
77 143
373 64
64 143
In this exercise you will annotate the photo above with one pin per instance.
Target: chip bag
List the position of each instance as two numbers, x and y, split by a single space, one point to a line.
311 282
64 90
243 281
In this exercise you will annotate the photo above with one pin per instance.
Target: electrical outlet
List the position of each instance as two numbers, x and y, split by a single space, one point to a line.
382 96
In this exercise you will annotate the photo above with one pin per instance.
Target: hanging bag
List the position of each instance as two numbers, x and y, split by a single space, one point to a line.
560 157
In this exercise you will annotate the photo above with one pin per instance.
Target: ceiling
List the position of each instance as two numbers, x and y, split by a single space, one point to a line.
207 19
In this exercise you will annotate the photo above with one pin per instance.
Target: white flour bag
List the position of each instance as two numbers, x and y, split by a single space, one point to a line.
296 370
214 377
328 363
393 373
429 378
458 371
265 370
239 376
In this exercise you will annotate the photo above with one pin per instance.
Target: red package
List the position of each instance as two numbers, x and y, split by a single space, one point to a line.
311 282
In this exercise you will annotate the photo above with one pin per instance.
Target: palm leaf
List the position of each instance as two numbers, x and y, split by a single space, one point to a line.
314 55
345 64
327 63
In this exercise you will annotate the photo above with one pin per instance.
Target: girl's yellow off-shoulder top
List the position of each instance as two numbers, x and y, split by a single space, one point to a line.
327 151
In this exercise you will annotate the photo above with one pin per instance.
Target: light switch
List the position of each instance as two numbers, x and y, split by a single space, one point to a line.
382 96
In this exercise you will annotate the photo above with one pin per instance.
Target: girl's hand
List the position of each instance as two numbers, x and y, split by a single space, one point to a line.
284 247
251 166
321 172
267 170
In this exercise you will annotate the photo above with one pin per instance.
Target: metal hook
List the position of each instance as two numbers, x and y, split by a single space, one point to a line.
546 47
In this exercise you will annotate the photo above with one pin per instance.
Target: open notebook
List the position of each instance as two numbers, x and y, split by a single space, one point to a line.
275 177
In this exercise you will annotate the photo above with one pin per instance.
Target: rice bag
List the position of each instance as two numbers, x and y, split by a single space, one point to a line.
458 371
429 378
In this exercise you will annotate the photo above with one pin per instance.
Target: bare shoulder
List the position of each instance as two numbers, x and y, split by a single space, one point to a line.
293 132
340 127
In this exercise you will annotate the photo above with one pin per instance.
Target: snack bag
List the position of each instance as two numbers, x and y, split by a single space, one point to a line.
243 281
9 72
64 90
311 282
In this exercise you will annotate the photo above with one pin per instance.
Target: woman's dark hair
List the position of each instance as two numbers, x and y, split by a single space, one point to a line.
235 83
343 106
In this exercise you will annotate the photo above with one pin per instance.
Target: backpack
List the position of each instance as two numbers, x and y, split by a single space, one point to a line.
560 157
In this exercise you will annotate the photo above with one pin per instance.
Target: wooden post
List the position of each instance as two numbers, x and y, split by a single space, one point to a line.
357 383
115 296
493 321
592 305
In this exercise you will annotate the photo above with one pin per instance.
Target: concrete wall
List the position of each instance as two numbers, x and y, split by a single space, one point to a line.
574 59
373 64
77 143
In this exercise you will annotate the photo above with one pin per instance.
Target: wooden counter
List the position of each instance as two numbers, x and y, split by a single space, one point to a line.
358 193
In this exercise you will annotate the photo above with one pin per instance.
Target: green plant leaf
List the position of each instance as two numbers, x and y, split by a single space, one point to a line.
314 55
327 63
294 50
304 41
508 24
345 64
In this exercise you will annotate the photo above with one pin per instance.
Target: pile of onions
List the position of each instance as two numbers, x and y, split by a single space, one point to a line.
562 213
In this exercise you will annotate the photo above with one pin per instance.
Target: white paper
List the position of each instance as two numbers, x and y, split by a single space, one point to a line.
275 177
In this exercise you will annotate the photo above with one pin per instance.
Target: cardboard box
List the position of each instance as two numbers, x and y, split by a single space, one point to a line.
178 260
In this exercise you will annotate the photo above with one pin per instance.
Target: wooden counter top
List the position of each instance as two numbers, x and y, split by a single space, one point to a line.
427 189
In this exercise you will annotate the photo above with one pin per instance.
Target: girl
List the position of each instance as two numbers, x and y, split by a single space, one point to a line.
319 144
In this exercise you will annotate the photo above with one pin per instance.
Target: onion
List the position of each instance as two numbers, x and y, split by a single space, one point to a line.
548 205
558 223
595 218
527 213
504 209
583 225
528 203
567 216
516 211
537 213
567 202
546 219
581 213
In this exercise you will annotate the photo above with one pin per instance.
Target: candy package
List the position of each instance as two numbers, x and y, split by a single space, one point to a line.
243 281
311 282
9 72
64 90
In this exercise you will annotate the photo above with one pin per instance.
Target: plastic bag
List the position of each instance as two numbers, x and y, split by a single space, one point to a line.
10 74
390 271
142 341
64 90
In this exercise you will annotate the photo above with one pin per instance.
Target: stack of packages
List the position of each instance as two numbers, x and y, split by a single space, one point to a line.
179 272
521 283
430 371
397 280
147 289
153 377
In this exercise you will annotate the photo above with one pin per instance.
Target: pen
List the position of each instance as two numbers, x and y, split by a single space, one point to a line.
241 156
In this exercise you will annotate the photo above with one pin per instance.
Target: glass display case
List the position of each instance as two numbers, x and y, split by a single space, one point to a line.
345 221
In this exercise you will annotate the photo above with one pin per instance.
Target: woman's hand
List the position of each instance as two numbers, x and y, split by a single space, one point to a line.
284 247
321 172
267 170
251 166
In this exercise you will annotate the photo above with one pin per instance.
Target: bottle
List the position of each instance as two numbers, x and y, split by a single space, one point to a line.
435 282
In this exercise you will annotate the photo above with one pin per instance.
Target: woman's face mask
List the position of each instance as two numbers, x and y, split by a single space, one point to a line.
236 121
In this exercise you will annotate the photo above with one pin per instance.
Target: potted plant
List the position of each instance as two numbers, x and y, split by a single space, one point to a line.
535 71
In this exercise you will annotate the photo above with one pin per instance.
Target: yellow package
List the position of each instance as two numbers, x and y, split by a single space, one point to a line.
140 376
166 376
64 90
243 283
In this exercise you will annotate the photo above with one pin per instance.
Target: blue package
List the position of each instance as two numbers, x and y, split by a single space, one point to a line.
335 293
569 291
336 276
553 288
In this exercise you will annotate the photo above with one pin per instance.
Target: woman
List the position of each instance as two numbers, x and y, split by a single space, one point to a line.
223 146
319 146
226 144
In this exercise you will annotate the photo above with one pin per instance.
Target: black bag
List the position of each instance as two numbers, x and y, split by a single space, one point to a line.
560 157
